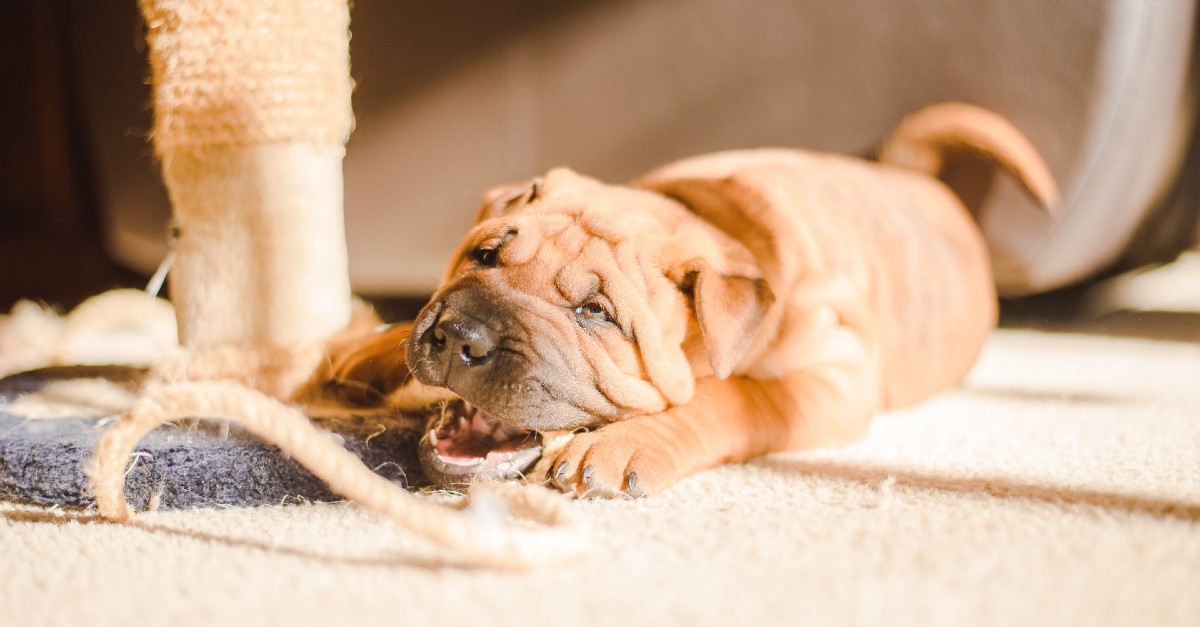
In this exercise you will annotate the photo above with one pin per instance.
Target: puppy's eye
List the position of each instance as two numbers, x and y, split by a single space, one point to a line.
593 311
486 253
485 256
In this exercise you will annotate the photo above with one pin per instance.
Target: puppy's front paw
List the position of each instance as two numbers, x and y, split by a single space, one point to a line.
613 461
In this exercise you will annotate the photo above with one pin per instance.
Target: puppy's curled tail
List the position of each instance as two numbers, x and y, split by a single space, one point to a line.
926 139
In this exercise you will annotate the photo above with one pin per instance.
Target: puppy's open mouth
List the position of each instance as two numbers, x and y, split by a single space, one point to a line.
462 442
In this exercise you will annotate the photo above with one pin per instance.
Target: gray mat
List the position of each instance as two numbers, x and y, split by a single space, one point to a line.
42 460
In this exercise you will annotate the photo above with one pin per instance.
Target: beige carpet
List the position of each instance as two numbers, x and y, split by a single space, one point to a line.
1060 487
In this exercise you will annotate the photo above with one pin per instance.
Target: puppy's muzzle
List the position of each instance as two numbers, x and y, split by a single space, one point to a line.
456 339
459 337
486 346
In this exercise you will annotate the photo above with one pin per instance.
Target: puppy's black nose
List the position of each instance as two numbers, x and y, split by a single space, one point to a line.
465 338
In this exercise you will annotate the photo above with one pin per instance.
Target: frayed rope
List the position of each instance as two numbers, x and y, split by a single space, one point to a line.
473 538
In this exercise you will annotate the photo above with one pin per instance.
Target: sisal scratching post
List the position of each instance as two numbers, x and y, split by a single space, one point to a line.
252 110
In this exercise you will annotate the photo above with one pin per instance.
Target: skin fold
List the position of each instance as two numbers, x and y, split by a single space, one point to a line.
719 307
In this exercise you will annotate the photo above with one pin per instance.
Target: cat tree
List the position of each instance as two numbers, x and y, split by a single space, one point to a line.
252 111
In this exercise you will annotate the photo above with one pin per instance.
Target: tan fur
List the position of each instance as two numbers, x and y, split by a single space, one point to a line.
366 368
762 300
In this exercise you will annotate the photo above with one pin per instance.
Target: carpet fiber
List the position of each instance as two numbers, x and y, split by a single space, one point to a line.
1060 486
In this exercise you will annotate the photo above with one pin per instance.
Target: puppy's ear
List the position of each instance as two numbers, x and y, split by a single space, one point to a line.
501 199
729 310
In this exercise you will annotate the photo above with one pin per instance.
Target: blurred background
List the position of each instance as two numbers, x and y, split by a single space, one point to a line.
454 97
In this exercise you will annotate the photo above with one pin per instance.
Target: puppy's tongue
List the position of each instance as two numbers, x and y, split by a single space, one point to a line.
464 442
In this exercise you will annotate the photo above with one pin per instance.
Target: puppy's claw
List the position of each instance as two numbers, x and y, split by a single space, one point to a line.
559 478
631 486
587 476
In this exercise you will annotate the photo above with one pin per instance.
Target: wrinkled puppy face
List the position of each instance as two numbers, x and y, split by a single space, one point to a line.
559 310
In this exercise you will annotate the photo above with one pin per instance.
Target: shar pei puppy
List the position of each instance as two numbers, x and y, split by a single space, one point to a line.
714 309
